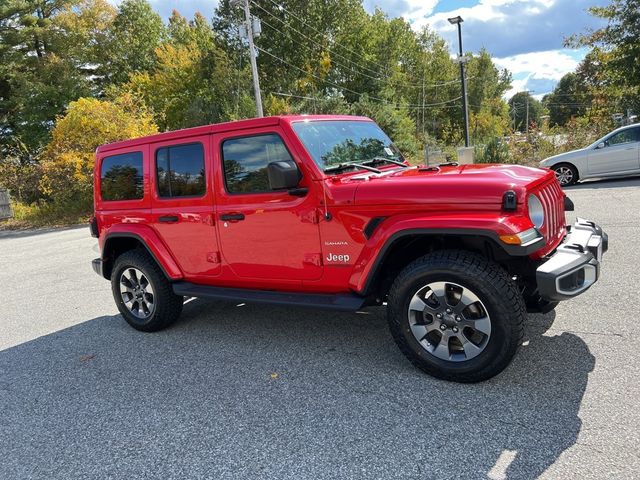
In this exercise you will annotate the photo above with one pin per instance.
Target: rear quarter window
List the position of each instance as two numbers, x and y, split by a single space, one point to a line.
121 177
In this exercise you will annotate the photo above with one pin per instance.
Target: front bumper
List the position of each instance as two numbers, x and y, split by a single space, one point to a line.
575 265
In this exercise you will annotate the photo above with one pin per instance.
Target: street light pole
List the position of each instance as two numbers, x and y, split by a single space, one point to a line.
463 80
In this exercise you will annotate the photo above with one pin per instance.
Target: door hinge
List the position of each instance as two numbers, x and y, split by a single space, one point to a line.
313 259
310 217
213 257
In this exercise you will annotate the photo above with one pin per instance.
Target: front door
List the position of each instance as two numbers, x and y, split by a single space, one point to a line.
264 234
182 206
621 153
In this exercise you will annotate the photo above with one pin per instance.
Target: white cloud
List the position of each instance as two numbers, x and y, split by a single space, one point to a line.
410 10
552 64
485 11
541 69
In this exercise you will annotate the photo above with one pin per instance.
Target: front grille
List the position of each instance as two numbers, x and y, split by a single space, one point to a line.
552 198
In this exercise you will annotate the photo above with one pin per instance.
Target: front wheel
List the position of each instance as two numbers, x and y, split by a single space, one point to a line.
456 316
566 174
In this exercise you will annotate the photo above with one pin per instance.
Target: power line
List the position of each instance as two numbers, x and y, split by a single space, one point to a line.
379 79
307 73
412 107
348 89
577 94
317 43
311 39
281 8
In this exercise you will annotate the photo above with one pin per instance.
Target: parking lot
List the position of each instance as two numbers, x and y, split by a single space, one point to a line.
267 392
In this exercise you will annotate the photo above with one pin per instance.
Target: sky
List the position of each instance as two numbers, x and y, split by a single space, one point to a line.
524 36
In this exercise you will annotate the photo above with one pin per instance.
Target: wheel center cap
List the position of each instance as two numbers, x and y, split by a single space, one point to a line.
449 319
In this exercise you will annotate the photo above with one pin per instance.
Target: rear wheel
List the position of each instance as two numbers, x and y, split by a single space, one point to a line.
456 316
566 174
142 292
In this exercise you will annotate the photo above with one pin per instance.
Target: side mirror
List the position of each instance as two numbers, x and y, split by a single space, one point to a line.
601 145
283 175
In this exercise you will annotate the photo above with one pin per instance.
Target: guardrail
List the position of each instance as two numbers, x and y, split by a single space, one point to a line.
5 205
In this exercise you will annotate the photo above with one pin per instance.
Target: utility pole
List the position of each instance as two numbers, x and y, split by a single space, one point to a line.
527 116
458 21
251 30
528 92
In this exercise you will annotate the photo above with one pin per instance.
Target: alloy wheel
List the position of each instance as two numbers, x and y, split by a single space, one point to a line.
564 175
137 293
449 321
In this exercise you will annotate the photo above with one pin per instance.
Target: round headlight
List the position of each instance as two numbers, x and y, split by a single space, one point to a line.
536 212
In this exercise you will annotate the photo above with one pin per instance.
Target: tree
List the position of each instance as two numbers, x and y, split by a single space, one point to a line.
136 33
569 99
394 120
193 82
83 31
522 106
485 82
47 49
48 53
492 121
486 85
69 157
617 47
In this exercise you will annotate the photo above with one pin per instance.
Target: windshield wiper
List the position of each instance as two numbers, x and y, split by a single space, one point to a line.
348 165
376 160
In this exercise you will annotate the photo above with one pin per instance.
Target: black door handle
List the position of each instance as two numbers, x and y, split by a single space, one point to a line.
232 217
169 219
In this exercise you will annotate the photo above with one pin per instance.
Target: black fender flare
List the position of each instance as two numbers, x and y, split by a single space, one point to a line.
493 237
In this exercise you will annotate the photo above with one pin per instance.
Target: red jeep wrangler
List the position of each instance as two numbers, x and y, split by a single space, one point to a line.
323 212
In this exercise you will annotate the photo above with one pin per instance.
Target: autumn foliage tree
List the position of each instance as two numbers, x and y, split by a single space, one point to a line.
68 160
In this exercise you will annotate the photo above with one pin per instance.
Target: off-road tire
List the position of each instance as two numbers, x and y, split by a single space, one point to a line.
491 284
167 305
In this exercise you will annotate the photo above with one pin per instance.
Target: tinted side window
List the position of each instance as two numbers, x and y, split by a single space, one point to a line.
626 136
245 162
121 177
180 171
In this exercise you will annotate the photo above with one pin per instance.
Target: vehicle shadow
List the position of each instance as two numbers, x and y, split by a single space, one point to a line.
266 392
597 184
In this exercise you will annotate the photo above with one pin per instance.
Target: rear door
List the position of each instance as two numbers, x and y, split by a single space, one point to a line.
621 153
264 234
182 203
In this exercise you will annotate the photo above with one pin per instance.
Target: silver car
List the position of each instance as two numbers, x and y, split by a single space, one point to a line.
615 154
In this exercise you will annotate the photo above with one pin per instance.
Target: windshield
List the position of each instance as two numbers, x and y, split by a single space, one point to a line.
337 142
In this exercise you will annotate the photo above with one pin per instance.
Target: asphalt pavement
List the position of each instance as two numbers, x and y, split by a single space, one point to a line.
255 392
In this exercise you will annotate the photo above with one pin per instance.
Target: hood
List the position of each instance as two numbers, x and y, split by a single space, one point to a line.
451 185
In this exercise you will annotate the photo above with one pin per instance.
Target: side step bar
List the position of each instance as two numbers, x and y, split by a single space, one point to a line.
344 302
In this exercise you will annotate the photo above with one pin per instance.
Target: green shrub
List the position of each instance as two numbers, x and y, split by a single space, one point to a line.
495 151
